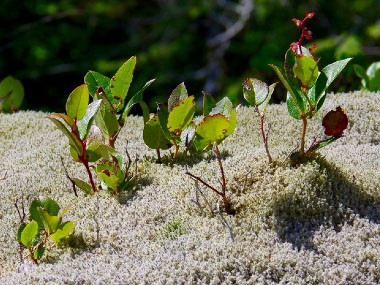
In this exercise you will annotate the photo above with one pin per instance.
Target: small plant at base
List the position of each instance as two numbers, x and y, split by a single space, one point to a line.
306 86
89 142
46 223
11 94
173 118
258 94
210 132
371 77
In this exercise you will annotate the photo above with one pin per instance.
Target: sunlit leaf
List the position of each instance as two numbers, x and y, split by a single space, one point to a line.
67 119
121 81
188 134
94 80
63 231
335 122
85 123
255 91
74 142
110 173
178 94
181 115
263 106
50 222
83 185
223 107
106 120
28 233
77 102
306 70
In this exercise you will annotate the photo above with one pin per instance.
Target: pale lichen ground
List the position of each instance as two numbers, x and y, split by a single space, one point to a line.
318 223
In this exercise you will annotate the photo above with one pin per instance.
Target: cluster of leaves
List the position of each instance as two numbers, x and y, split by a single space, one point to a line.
11 94
45 224
307 86
92 128
371 77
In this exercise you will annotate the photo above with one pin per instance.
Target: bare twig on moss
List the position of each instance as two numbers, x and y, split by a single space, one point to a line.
225 223
245 180
68 177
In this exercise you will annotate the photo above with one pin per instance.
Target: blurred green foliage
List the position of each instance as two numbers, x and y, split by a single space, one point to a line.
50 45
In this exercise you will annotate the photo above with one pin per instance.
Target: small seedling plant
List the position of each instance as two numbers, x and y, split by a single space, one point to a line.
371 77
45 225
258 94
93 128
219 122
165 128
11 94
307 86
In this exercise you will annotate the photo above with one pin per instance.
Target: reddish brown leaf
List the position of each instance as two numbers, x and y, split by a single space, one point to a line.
335 122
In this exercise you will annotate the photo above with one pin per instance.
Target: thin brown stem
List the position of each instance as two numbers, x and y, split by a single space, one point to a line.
265 136
158 154
221 169
85 163
176 151
204 183
304 126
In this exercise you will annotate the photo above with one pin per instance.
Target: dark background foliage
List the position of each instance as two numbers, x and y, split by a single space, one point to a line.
211 45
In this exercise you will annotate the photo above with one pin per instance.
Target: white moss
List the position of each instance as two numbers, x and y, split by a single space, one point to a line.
318 223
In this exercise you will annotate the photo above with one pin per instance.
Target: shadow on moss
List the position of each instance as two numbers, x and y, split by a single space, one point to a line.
329 198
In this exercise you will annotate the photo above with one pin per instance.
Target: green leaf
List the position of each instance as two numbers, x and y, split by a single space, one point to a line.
66 118
106 151
320 144
63 231
306 70
77 102
332 70
213 128
153 135
84 125
121 81
295 94
94 80
50 206
12 92
106 172
263 106
145 111
94 140
181 115
29 232
134 100
39 253
73 140
34 213
208 103
255 91
50 222
163 114
83 185
232 125
223 107
360 72
106 120
293 108
178 94
62 212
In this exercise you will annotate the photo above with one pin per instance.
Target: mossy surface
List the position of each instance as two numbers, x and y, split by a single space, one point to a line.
317 223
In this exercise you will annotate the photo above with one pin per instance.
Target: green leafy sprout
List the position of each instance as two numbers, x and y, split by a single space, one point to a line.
217 125
92 128
306 85
11 94
258 94
45 224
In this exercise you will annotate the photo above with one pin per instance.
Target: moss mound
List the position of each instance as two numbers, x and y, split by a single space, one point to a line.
317 223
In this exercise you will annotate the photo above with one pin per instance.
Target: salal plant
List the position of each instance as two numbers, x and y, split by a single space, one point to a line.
305 82
92 128
257 93
218 123
173 118
45 226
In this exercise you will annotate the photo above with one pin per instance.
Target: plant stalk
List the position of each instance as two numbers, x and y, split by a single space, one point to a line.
304 126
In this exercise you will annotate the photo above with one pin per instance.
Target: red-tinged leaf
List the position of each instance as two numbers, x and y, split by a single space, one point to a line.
335 122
